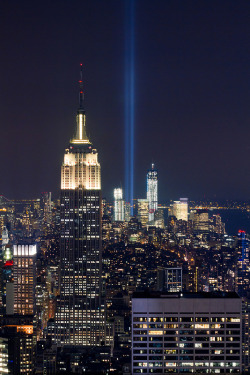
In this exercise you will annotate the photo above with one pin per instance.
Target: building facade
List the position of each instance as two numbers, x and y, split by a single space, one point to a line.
79 315
152 192
186 333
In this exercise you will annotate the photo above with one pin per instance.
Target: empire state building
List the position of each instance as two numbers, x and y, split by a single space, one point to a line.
79 315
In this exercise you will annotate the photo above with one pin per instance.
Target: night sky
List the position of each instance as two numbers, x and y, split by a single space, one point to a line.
192 94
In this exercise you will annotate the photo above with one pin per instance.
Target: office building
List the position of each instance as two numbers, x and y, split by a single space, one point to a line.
46 205
127 211
24 270
186 333
169 279
180 209
200 220
217 226
17 344
79 315
143 211
152 192
119 207
159 218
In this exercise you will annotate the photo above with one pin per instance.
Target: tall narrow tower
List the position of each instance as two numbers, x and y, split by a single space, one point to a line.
152 192
79 316
119 211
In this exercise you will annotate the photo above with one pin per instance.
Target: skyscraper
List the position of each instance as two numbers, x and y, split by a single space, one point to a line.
79 316
200 220
152 192
242 279
17 343
142 209
119 209
24 257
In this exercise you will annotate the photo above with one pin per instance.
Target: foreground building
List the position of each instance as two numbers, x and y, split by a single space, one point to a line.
79 316
186 333
17 345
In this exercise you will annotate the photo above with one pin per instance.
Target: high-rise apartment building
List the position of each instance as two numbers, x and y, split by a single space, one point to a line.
119 207
79 315
186 333
24 270
180 209
152 192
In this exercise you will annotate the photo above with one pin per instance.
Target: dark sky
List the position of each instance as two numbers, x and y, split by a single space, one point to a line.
192 93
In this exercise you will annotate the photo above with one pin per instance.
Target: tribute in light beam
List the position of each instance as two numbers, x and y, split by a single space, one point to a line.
129 102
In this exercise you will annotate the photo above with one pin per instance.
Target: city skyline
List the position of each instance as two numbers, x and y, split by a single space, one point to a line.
191 94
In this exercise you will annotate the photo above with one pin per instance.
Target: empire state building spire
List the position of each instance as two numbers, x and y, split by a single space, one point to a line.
80 309
81 135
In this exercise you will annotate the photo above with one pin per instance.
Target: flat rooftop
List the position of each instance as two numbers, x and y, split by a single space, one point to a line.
148 294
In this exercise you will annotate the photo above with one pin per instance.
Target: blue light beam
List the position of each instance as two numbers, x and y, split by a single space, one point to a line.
129 102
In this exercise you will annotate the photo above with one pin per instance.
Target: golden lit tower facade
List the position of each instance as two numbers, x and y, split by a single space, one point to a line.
79 316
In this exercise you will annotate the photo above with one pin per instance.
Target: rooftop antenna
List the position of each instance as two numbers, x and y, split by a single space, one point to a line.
81 95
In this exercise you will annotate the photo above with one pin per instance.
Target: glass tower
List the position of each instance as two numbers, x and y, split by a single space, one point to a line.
119 210
152 192
79 316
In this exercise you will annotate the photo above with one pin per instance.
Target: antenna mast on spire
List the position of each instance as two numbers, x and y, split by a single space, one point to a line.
81 96
81 136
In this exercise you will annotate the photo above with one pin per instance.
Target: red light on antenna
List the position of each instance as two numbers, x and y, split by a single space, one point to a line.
80 64
9 263
81 92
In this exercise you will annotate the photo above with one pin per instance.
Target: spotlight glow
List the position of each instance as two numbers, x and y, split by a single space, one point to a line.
129 102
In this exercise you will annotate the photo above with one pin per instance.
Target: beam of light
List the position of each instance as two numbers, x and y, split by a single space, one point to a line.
129 102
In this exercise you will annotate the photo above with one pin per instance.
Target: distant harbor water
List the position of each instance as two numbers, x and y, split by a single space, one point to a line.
234 220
